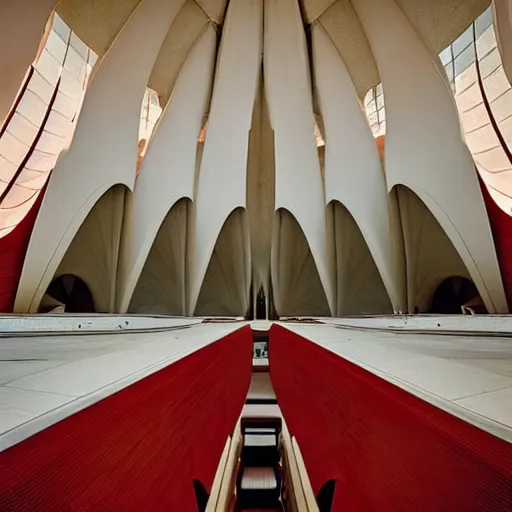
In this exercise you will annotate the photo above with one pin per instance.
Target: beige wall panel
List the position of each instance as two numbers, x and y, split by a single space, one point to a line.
161 287
222 178
188 26
168 170
215 9
353 171
430 255
344 28
261 191
299 185
97 22
103 152
313 9
297 288
22 25
93 254
424 148
226 284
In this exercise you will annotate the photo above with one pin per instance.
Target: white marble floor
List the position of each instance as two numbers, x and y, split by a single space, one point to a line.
45 379
468 376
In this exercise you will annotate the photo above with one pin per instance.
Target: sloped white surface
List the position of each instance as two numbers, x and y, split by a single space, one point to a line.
222 177
299 186
168 171
86 371
443 370
424 144
103 152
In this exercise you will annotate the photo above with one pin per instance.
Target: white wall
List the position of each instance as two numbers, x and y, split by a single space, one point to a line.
222 177
103 152
424 148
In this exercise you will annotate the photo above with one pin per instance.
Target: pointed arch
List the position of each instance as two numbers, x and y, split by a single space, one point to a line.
299 184
296 284
226 286
430 255
103 152
360 286
170 166
161 286
424 148
353 171
261 192
93 254
222 181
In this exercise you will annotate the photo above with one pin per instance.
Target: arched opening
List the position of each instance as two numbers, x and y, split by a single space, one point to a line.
325 496
161 287
201 494
454 294
93 253
297 289
67 293
359 283
226 285
429 253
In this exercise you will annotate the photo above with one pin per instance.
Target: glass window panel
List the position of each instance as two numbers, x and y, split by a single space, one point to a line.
12 149
23 129
490 63
75 64
56 46
40 86
449 71
486 43
93 58
58 124
65 105
79 46
380 101
462 42
7 171
61 28
465 59
446 55
32 108
49 67
50 143
483 22
70 85
378 89
39 161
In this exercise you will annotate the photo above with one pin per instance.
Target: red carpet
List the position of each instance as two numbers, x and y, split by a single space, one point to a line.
388 450
140 448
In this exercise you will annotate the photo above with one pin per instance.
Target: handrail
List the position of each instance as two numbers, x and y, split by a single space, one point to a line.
293 480
311 503
228 478
219 476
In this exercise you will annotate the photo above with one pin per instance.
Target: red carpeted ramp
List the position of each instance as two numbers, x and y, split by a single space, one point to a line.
387 449
141 448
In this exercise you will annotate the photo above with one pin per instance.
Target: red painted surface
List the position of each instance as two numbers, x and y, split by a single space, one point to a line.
387 449
140 448
13 248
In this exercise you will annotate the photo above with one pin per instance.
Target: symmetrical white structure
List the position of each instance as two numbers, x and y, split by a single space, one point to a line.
262 177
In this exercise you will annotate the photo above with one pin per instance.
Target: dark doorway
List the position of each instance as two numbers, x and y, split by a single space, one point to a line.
452 294
70 292
261 304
